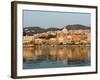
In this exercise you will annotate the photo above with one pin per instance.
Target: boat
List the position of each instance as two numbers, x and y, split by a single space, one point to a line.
29 46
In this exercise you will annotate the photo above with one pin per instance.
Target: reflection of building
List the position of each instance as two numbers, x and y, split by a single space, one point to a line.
63 54
28 54
80 53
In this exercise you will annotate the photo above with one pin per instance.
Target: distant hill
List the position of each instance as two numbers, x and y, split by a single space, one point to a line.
77 27
37 29
32 30
53 29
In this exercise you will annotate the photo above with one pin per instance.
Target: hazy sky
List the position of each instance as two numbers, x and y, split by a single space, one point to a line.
47 19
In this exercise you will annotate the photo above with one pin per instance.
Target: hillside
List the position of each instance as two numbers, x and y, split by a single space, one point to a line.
77 27
37 29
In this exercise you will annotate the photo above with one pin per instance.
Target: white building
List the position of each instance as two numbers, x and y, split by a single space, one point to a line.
64 30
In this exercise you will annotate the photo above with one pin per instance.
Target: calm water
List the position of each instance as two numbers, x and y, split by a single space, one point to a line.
56 56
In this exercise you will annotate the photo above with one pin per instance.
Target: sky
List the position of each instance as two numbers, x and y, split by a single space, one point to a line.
46 19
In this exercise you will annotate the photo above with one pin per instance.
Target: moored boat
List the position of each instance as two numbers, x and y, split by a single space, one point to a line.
29 46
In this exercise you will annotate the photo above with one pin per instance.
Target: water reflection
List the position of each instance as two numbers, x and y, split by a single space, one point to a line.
56 56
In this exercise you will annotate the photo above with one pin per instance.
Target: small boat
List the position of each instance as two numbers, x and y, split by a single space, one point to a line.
28 46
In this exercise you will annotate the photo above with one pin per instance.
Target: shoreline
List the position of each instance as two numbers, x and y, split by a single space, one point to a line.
42 45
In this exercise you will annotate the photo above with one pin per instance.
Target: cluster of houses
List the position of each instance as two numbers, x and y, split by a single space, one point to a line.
61 37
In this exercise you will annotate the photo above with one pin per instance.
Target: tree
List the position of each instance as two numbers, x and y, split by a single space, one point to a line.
51 36
24 33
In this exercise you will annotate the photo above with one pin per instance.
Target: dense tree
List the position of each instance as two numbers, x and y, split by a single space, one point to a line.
24 33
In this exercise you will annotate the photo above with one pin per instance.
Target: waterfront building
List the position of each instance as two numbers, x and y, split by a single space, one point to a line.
39 41
52 41
27 39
